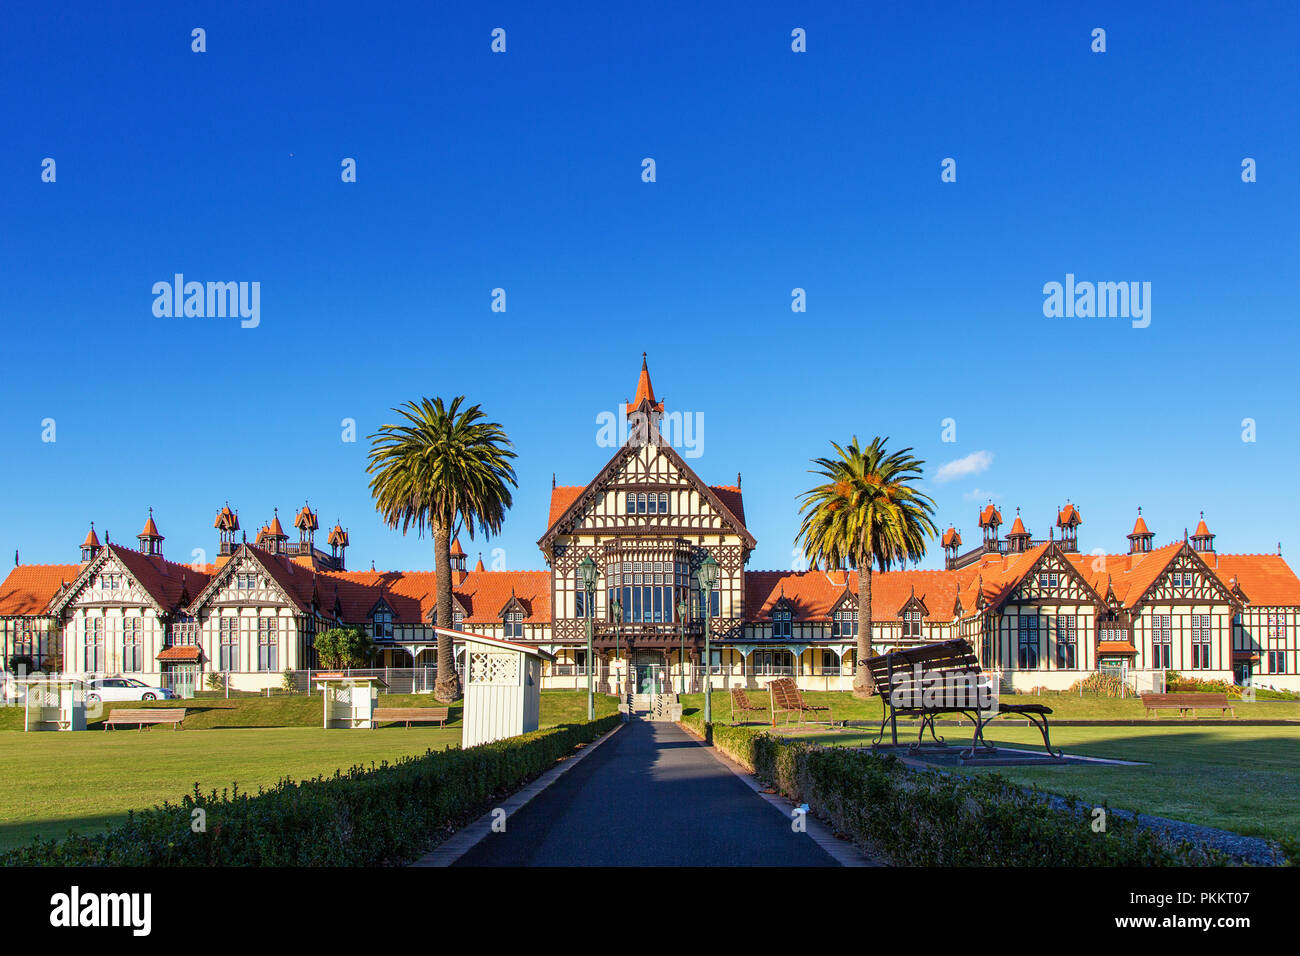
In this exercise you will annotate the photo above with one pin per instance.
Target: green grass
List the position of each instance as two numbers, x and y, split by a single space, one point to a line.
54 782
1244 779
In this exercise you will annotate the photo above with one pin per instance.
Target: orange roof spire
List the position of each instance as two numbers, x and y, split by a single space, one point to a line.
275 529
150 529
479 566
456 549
1139 526
92 539
644 390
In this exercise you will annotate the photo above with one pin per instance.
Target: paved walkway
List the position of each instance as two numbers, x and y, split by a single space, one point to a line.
649 796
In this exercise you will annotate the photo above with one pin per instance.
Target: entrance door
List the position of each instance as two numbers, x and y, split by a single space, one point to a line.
647 675
180 678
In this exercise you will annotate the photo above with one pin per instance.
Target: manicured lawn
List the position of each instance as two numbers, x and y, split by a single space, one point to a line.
300 710
54 782
1244 779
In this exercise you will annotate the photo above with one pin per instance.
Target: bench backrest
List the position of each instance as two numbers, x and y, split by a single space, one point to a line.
785 694
1205 699
944 669
150 713
400 713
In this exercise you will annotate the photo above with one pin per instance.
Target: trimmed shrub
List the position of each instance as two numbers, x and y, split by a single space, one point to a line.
382 815
931 818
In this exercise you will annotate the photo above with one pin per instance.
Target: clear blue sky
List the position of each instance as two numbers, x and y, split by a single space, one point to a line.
775 170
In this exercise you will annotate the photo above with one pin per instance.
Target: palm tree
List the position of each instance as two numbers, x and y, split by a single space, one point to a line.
867 510
447 468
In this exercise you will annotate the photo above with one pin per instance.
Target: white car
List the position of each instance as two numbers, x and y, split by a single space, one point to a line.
124 688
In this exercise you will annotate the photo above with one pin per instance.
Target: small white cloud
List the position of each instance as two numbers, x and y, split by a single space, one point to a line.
972 464
981 494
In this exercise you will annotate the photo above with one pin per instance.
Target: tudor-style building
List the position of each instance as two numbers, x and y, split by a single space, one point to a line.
1039 611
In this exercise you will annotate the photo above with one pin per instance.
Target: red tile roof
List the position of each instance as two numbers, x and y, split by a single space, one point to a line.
1069 515
484 593
1264 579
172 585
813 594
952 538
1116 647
29 588
561 498
181 652
732 498
990 516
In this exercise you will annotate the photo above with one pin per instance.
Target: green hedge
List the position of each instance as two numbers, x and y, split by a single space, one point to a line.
931 818
387 814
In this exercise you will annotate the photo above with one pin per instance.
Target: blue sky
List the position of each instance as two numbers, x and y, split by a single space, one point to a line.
522 171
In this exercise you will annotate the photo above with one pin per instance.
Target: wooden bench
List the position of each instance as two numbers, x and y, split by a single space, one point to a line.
944 678
409 715
145 717
787 697
1185 702
740 702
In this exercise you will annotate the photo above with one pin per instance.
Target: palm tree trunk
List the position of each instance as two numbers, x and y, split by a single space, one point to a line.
863 685
447 686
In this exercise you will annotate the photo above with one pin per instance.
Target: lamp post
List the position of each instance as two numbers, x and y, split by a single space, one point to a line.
617 608
588 570
707 575
682 608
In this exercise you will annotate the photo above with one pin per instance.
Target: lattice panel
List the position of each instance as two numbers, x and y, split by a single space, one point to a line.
489 668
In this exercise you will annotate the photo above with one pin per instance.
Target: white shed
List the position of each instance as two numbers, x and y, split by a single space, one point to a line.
53 703
349 701
503 687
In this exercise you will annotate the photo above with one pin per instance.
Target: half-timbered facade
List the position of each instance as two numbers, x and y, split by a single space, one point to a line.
1040 612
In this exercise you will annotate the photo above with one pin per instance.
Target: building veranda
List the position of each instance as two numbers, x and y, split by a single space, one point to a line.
1038 610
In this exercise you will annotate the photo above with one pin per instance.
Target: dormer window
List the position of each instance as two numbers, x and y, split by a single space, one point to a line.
110 582
912 624
514 624
245 582
383 624
781 625
844 624
1048 579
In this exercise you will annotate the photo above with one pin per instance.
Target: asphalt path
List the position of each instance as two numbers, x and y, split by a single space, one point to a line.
651 795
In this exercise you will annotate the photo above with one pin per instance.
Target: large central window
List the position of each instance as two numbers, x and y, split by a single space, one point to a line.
648 590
